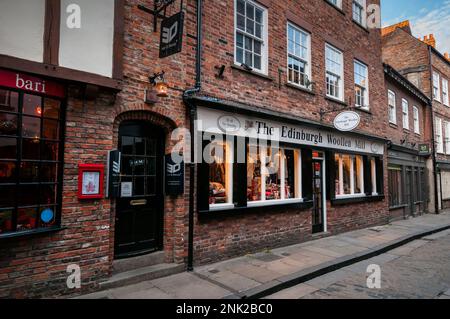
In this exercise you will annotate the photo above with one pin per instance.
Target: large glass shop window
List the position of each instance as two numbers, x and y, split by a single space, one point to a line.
349 175
219 155
30 143
273 174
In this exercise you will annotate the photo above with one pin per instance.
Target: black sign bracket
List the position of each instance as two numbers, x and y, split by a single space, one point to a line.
159 6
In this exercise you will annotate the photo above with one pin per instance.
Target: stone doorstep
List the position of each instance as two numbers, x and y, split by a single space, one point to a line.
141 274
123 265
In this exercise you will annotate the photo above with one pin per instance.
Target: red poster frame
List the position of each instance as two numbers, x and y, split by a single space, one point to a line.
82 168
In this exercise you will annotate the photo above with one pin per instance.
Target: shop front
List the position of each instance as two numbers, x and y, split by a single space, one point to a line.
259 164
31 153
408 182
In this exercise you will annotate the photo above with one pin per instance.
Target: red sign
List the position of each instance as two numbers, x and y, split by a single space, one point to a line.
90 181
32 84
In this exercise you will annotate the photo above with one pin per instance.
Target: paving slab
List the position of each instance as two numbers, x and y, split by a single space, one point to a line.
296 292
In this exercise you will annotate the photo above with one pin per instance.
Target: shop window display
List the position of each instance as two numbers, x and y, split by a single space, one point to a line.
220 173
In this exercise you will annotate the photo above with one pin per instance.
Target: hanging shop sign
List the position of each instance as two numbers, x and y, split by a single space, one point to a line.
90 181
174 179
171 35
32 84
226 123
424 149
113 177
347 121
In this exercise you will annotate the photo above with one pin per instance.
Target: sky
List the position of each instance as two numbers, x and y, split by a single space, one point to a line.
426 17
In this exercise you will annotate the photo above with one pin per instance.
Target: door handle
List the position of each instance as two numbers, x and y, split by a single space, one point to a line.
140 202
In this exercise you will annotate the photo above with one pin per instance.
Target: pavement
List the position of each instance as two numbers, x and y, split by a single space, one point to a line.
286 269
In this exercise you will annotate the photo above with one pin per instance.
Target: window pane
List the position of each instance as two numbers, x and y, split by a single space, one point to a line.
7 172
7 196
5 221
250 11
127 165
258 15
32 105
139 186
253 174
28 195
347 162
139 166
30 149
140 145
49 173
50 151
48 195
31 127
8 148
51 130
337 184
239 56
241 22
289 174
127 145
240 6
358 182
9 101
29 172
151 185
273 174
52 108
218 174
26 219
8 124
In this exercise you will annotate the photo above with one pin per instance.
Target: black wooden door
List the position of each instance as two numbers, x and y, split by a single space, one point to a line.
317 213
139 208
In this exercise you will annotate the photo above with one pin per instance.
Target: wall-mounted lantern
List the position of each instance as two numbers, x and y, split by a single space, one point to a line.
158 81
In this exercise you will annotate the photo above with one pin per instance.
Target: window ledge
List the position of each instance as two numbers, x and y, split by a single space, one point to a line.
273 208
365 109
30 233
393 125
332 99
361 26
255 73
300 88
355 200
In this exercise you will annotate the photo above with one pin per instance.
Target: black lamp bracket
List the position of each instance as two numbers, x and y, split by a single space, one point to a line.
159 10
157 77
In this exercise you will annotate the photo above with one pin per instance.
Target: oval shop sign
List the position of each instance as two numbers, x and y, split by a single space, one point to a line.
347 121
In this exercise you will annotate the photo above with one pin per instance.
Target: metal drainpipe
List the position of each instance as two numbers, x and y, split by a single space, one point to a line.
192 119
433 138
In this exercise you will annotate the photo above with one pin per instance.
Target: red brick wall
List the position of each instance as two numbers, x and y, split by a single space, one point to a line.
252 232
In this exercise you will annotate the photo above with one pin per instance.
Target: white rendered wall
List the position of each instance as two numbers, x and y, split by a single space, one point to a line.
22 29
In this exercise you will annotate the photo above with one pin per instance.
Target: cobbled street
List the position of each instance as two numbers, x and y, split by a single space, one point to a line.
420 269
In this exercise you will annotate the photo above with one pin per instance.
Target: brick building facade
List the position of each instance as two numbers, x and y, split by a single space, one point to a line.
428 69
273 71
410 164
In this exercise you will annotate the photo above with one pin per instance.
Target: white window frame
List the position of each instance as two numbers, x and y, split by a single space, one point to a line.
447 137
373 172
365 87
352 179
438 136
264 40
229 154
392 107
362 4
298 179
436 86
341 75
445 97
405 112
294 56
416 120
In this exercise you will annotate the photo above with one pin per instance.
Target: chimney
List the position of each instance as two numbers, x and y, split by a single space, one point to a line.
430 40
447 56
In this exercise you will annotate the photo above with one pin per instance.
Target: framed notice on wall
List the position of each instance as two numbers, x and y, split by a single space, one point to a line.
90 181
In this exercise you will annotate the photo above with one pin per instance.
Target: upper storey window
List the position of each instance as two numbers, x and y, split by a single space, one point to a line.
299 56
335 72
251 35
436 87
359 12
361 85
336 3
